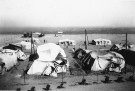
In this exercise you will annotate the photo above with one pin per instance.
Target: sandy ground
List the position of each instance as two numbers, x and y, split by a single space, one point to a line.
14 78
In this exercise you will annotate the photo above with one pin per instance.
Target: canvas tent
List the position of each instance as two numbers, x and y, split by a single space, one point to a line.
66 42
10 57
36 40
13 47
116 47
101 41
95 62
37 34
120 46
26 45
48 61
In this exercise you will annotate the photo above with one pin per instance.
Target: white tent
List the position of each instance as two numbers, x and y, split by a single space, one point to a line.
25 45
66 42
36 33
36 40
97 62
10 57
101 41
49 51
47 59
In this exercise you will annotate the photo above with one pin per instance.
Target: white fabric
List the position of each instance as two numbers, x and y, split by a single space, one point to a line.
37 33
26 45
9 59
38 67
44 64
100 64
19 53
102 61
49 51
101 41
72 42
45 68
118 59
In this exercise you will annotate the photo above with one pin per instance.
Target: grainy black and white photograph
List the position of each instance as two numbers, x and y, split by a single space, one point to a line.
67 45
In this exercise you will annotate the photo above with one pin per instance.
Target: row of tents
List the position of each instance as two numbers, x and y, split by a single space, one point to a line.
35 34
50 61
98 41
101 41
51 58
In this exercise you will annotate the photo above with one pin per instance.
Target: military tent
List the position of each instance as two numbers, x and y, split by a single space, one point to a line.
51 60
101 41
26 45
35 40
13 47
92 61
66 42
11 57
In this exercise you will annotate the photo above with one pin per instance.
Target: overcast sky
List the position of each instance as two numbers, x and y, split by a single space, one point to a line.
63 13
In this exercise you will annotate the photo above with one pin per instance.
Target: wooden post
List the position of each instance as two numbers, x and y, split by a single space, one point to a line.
125 61
85 39
126 41
31 42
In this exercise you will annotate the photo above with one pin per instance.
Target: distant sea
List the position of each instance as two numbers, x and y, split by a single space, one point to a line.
68 30
79 38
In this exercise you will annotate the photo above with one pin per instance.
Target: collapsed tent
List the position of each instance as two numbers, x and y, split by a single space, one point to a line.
117 61
10 57
101 41
66 42
117 47
51 60
93 62
13 47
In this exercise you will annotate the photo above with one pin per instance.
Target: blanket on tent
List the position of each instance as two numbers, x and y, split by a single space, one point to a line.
92 61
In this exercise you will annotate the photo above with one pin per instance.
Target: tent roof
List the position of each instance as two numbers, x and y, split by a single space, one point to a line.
101 39
37 33
49 51
12 47
64 40
35 39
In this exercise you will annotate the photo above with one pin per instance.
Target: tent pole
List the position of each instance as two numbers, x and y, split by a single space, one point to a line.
125 61
126 41
31 42
85 39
